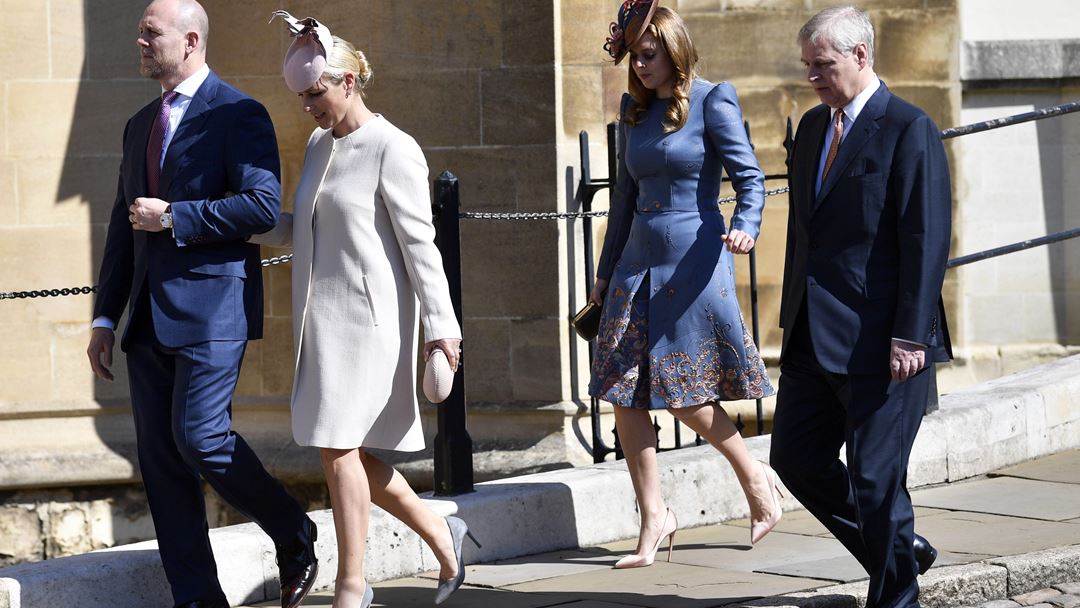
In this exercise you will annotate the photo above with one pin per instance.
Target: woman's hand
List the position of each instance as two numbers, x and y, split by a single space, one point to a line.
738 241
449 346
598 289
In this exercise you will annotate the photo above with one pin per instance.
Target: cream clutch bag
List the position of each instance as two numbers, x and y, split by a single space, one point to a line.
438 377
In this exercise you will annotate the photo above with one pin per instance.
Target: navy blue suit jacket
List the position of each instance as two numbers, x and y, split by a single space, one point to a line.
221 175
867 254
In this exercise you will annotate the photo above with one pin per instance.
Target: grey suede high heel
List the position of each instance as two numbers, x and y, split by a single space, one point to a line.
367 598
458 531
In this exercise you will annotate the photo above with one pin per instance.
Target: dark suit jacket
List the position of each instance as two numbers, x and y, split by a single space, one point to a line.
867 254
222 177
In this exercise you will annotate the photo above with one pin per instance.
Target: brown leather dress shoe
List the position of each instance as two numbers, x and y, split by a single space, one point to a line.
297 566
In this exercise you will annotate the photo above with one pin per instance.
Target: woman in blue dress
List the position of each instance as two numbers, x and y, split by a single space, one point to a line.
672 335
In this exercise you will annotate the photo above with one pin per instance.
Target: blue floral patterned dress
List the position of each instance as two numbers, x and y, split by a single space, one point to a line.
671 333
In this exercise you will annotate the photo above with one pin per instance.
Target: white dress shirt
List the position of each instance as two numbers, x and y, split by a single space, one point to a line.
185 92
851 113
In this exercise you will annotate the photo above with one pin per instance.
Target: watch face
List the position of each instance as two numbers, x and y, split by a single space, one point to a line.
166 220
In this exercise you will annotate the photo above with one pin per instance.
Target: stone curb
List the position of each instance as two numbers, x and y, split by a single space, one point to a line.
992 425
950 586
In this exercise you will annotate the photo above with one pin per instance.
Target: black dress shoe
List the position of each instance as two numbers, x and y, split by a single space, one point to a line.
297 566
925 553
205 604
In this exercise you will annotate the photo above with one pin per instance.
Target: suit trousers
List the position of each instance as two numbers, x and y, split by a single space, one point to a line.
182 404
865 504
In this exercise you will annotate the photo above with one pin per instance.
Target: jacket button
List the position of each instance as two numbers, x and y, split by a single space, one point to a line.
656 204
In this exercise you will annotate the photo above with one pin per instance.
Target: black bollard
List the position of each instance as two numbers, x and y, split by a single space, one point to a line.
453 445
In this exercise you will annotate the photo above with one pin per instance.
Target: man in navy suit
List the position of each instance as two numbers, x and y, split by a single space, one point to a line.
868 238
200 174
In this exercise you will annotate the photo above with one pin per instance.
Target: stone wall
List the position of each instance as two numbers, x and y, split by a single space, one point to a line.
1018 182
471 81
495 92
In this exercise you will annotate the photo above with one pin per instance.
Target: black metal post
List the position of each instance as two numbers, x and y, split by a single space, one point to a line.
756 328
755 322
586 190
453 445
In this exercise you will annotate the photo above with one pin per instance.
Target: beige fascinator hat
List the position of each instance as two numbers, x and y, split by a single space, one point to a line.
305 61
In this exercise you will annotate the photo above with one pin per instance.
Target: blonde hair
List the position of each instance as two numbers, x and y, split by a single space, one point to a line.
344 58
674 39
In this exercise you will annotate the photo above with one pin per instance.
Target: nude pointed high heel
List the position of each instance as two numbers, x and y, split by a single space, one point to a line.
758 529
640 561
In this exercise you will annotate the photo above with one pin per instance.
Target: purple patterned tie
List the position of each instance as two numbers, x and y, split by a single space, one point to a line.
157 142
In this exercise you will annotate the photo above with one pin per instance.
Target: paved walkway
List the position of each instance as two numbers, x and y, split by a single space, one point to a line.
1018 510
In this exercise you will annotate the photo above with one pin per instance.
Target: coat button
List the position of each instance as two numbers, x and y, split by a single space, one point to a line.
656 204
671 291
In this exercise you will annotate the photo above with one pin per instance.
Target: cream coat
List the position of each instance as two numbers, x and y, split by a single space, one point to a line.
363 252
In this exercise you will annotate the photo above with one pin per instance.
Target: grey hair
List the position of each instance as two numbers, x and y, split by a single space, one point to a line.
844 27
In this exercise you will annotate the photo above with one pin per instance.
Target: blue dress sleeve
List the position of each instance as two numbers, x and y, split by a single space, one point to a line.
724 126
621 211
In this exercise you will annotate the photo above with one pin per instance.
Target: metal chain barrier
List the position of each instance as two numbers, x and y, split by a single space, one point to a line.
546 215
285 259
74 291
281 259
564 215
46 293
1058 110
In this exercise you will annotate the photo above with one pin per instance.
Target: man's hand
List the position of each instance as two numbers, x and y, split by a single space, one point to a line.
905 360
145 214
100 352
738 241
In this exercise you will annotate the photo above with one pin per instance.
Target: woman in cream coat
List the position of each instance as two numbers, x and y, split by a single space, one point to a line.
363 254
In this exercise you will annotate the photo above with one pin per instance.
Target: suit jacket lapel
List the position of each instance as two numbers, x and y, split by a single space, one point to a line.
140 139
866 125
194 118
808 176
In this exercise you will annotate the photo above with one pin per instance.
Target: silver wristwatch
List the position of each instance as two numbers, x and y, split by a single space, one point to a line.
166 218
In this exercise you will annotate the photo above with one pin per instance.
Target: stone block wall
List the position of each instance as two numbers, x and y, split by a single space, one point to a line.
1018 182
473 82
495 92
1019 185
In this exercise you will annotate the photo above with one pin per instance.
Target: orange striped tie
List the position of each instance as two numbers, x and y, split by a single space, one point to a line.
838 133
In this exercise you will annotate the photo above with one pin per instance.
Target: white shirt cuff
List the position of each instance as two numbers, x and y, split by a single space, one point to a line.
105 322
919 344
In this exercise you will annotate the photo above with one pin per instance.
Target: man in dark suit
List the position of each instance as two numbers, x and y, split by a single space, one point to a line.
868 239
200 174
